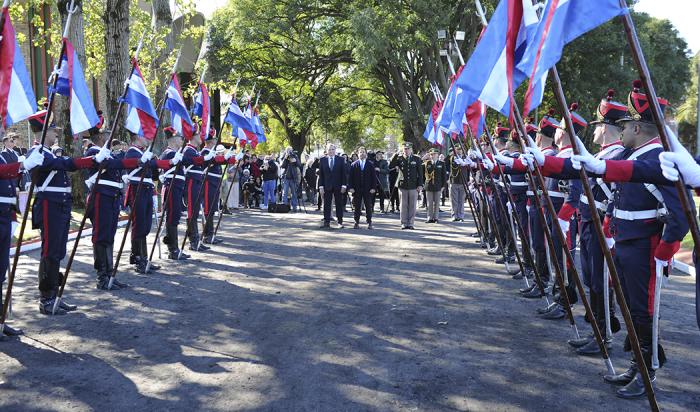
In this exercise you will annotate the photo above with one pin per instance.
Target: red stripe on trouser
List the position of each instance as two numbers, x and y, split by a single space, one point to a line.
206 198
96 218
190 205
654 242
45 231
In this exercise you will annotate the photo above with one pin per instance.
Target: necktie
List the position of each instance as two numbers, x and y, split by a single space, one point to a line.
331 163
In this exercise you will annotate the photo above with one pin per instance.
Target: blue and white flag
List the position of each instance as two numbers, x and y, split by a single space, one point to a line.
491 74
562 22
15 83
71 83
141 116
179 116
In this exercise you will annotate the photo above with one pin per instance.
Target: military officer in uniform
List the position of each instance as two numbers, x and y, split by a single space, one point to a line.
409 182
434 173
647 224
51 213
210 196
172 203
458 180
9 173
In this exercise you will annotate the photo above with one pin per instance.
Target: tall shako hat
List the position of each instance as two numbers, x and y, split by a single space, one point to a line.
638 107
609 111
579 122
548 124
169 132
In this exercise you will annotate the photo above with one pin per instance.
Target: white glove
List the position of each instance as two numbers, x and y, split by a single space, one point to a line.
509 206
527 160
475 154
587 160
36 158
610 242
177 158
229 154
487 163
209 156
239 156
564 225
103 154
146 156
535 151
680 158
662 263
21 158
504 160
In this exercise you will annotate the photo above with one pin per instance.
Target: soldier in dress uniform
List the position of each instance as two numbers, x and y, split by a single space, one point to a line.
104 206
194 172
211 191
458 180
141 200
544 140
172 203
502 216
647 224
51 214
434 172
409 182
9 174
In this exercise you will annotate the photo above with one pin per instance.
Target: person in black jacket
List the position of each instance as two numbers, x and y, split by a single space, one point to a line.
362 184
332 183
269 175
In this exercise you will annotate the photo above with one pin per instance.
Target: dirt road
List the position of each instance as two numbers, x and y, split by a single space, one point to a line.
286 317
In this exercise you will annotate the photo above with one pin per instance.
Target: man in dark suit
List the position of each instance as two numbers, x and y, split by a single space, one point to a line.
363 183
332 183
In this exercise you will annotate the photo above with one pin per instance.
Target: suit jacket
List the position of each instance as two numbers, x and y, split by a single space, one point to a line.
363 180
332 179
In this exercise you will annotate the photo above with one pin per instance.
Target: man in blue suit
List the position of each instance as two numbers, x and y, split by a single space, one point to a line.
332 183
363 182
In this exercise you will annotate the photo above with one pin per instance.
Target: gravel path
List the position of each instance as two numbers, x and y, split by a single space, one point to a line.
286 317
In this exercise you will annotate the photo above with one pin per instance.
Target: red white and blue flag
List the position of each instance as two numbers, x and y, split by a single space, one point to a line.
249 134
15 83
491 74
236 118
562 21
179 116
141 117
258 127
202 109
71 83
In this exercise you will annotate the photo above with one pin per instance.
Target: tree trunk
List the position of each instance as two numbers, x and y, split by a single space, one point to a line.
116 20
72 145
162 17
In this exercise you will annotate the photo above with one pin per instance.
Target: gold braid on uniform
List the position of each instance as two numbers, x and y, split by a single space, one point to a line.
454 171
429 174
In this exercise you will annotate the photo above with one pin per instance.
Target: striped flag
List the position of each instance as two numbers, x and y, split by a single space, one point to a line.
179 116
15 83
202 109
141 116
71 83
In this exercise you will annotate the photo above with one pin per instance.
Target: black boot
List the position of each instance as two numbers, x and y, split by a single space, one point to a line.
598 308
173 244
144 252
625 377
636 389
47 301
8 330
100 254
615 325
135 249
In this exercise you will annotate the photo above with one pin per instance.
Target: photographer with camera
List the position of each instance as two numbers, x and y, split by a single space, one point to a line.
291 177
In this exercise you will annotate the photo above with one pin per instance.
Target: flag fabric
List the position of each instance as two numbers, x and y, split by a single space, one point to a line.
202 109
141 117
15 83
430 128
475 119
71 83
491 74
236 118
562 22
251 137
258 127
179 116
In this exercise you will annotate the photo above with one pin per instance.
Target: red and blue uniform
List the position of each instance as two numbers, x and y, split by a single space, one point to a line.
9 173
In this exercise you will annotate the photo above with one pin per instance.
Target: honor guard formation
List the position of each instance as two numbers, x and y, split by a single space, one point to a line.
595 225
